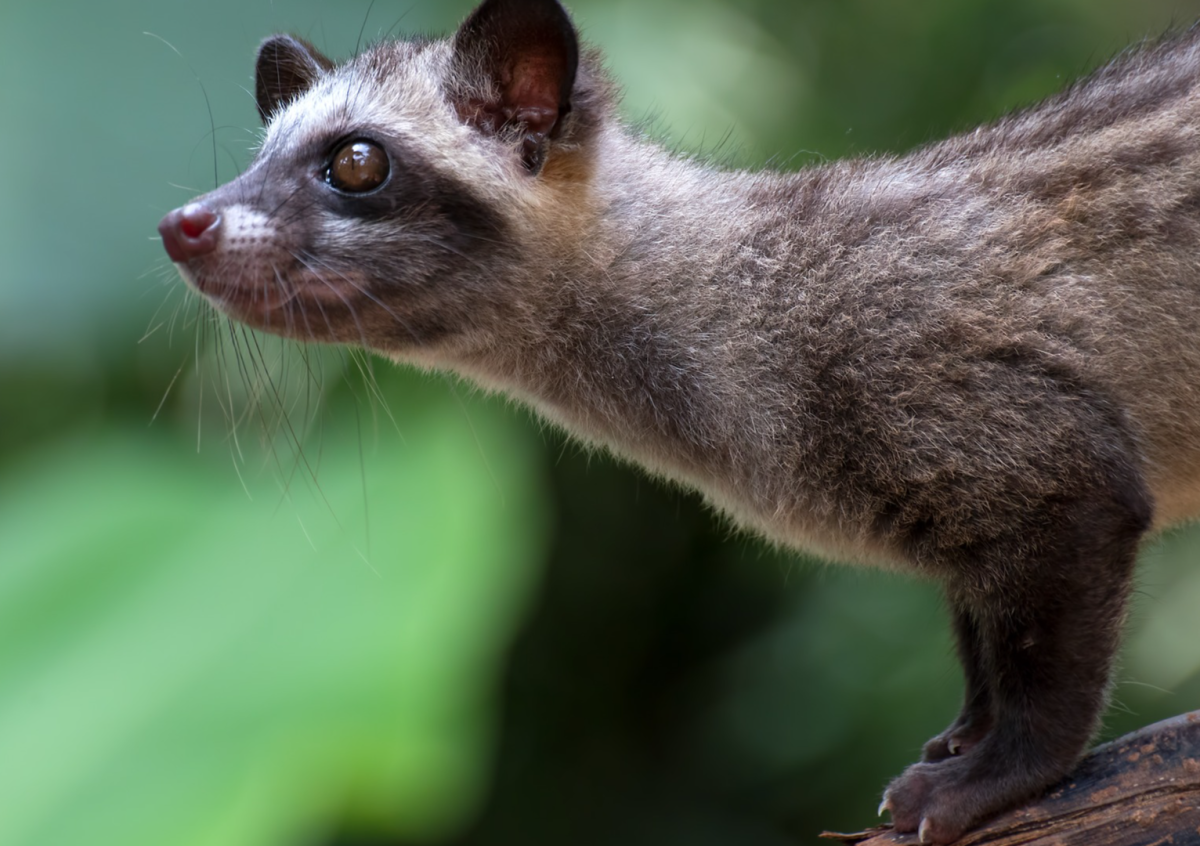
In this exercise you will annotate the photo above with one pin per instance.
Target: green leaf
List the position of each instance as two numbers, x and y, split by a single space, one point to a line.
187 661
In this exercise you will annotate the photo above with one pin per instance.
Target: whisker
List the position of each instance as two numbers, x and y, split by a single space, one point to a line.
362 361
367 293
363 28
308 260
478 443
166 394
287 426
399 21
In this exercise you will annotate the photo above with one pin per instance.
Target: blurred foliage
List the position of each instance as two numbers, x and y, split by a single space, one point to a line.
314 605
186 660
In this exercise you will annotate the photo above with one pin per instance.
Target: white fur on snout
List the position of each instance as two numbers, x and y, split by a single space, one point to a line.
245 230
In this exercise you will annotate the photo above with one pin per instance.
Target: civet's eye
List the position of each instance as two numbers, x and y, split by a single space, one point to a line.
358 167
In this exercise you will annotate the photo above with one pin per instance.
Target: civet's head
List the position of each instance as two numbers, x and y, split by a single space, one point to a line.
395 196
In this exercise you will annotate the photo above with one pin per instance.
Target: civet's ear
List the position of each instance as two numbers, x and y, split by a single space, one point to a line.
516 62
287 66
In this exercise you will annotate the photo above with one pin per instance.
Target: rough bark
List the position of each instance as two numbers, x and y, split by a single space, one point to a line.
1142 789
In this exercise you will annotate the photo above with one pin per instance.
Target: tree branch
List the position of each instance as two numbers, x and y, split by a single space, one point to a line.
1142 789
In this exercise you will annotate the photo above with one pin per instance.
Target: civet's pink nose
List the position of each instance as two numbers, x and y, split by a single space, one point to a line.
190 232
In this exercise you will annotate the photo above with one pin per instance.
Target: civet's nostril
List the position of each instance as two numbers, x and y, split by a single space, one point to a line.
189 232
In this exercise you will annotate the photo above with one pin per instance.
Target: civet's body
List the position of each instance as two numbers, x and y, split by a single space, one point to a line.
979 362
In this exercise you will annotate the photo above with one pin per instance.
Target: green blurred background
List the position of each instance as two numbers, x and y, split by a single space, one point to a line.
311 599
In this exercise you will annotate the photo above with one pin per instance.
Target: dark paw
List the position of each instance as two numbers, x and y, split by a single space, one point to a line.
942 801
